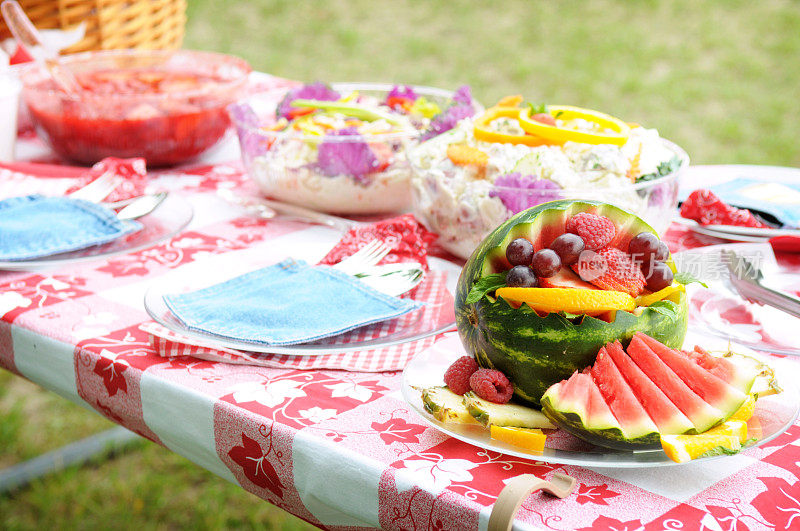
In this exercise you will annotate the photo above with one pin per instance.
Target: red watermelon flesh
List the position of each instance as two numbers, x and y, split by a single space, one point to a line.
667 417
702 414
741 378
626 408
596 408
710 388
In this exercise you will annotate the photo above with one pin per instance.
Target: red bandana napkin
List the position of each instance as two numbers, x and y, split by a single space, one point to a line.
132 171
17 181
407 238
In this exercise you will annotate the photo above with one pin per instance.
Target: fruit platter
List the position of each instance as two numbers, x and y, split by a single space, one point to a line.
572 321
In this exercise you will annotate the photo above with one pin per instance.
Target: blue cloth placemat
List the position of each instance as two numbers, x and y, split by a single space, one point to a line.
782 200
35 226
284 304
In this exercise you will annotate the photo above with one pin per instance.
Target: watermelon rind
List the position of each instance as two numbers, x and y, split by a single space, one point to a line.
535 352
600 430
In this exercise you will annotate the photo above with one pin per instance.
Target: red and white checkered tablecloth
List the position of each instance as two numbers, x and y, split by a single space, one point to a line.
339 449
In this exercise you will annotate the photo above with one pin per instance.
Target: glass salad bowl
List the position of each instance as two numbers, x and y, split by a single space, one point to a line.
342 148
165 106
462 202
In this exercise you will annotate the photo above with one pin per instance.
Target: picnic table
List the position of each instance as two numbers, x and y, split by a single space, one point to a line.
336 448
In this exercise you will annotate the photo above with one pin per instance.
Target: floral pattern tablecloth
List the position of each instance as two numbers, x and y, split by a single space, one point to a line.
339 449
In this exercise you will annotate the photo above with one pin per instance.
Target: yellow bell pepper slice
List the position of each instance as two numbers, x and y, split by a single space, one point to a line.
482 131
426 108
558 135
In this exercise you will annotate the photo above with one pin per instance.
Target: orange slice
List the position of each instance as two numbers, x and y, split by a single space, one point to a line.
746 411
529 438
683 448
727 438
730 427
570 300
660 295
464 155
754 429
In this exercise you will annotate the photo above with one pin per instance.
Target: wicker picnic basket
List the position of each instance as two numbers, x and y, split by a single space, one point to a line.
111 24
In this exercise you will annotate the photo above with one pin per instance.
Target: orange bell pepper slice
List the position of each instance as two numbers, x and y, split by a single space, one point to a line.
482 131
463 155
510 101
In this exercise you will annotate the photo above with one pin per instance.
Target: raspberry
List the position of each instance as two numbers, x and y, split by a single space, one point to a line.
596 231
611 269
456 377
491 385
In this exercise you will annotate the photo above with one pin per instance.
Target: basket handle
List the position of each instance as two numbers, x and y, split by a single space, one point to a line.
515 492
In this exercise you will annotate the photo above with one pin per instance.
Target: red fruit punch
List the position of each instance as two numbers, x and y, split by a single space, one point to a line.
706 208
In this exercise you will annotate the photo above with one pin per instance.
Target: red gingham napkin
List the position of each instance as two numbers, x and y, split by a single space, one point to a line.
437 312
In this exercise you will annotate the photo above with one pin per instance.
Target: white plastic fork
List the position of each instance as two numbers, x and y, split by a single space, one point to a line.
99 189
396 283
366 257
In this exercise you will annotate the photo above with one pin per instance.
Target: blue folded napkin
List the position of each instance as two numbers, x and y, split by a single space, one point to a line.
286 303
35 226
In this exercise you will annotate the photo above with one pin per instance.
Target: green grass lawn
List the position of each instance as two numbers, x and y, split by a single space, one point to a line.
718 78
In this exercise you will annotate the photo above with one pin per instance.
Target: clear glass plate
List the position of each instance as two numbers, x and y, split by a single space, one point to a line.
407 328
710 175
774 413
721 311
735 234
170 218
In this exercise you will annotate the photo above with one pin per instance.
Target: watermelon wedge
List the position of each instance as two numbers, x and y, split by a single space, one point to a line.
740 377
710 388
627 409
584 412
702 414
628 400
668 418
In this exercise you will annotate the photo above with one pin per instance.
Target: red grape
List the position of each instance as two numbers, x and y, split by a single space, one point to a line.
519 252
643 247
568 247
521 276
659 277
662 253
545 263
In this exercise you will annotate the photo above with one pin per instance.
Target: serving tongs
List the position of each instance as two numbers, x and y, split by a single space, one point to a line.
747 280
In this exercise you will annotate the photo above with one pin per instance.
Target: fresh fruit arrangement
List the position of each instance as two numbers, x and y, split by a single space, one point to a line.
547 289
689 403
630 399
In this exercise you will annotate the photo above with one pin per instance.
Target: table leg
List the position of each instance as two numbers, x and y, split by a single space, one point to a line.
106 444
